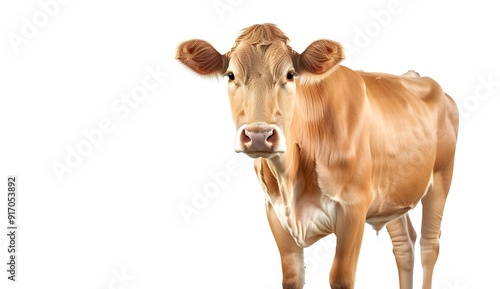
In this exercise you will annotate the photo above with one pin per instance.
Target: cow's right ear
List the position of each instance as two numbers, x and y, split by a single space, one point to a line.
201 57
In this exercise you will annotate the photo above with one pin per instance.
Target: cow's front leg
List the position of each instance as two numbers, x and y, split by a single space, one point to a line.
350 221
292 256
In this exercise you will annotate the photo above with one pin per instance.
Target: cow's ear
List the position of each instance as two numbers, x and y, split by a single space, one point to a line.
201 57
319 59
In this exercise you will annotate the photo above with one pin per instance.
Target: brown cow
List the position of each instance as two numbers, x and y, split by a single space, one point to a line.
335 148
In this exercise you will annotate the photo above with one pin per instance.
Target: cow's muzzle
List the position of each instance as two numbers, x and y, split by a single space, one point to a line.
260 140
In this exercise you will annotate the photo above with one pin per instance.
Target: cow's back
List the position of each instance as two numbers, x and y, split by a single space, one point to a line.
423 100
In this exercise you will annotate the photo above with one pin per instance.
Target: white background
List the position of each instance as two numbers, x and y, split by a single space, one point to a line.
117 211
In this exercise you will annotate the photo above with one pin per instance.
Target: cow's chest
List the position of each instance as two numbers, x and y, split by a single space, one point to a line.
307 219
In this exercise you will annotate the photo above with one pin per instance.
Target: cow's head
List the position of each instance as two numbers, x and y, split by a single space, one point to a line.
261 69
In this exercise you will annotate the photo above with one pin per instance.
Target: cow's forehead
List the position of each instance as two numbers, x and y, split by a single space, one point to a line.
262 59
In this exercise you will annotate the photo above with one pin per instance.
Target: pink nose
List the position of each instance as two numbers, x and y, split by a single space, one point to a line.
258 138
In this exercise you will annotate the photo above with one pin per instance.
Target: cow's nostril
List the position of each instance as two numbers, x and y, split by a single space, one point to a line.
271 137
245 137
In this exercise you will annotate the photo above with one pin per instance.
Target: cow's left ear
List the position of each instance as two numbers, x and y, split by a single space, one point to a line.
319 59
201 57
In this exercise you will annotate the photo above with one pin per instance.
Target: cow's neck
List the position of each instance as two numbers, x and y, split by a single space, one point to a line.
326 118
322 133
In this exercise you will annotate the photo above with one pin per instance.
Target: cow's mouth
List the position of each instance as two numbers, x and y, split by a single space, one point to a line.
261 154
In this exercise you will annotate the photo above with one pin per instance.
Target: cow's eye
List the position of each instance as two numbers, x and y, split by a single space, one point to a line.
290 76
229 75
